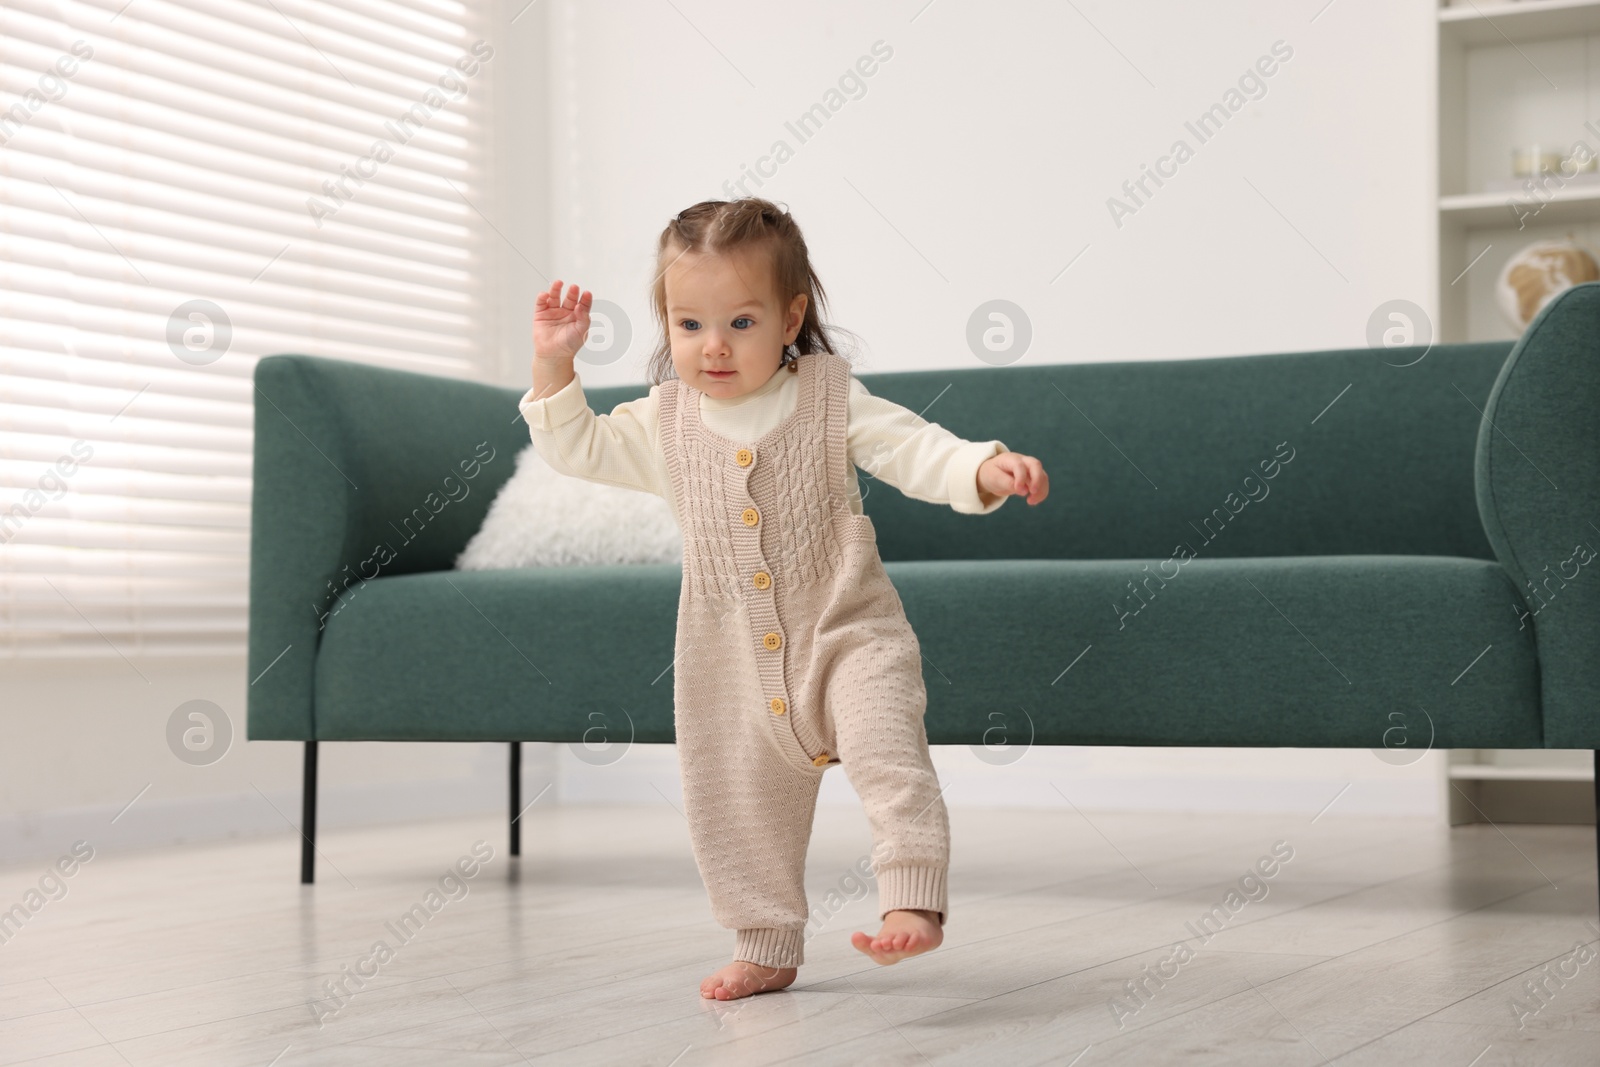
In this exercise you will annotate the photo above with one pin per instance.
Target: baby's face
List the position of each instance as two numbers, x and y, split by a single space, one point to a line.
722 316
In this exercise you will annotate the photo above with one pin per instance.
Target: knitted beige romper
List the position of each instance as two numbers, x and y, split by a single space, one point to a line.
793 654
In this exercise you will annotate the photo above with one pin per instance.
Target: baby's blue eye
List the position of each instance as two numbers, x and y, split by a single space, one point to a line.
692 324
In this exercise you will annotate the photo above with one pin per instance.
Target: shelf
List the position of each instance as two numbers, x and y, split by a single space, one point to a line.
1489 209
1532 20
1487 771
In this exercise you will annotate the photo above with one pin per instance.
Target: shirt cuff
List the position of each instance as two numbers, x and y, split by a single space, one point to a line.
565 403
963 475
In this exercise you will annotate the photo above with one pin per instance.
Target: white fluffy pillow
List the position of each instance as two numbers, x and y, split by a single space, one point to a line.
543 518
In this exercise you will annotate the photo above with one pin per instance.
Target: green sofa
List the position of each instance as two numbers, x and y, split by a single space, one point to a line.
1334 549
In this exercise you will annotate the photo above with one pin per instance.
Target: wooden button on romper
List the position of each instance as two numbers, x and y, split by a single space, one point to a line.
793 654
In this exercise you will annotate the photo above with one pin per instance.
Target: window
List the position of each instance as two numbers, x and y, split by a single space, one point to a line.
185 188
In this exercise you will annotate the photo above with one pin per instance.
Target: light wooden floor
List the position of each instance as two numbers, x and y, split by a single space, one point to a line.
1380 942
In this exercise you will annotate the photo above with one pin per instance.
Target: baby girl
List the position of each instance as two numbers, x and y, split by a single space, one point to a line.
793 652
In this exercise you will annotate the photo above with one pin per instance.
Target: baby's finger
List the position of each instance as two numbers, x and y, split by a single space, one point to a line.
1042 483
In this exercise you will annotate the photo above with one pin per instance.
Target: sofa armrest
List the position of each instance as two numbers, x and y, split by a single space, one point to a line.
1537 476
359 472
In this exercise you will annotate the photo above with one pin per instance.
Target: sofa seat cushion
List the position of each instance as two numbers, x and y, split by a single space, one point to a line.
1364 651
1296 651
539 653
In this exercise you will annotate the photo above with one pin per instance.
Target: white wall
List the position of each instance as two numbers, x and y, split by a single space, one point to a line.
86 755
979 159
977 164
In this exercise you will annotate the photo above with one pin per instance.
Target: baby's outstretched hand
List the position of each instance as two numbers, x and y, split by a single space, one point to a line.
560 326
1012 473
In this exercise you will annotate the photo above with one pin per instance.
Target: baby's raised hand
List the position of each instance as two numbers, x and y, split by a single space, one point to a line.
1012 473
560 326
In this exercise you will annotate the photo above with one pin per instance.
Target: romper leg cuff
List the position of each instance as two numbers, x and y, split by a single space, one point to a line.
913 888
770 947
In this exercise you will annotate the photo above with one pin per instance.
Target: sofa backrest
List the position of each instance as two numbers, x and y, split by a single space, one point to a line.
1307 453
1329 452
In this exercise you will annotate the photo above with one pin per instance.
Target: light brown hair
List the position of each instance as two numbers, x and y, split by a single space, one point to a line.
746 224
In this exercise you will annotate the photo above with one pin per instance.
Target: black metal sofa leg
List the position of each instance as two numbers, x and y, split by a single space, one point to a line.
516 798
308 816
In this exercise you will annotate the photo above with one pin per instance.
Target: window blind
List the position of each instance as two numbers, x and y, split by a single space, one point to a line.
187 187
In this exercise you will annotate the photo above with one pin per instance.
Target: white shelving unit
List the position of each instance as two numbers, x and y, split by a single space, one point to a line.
1511 74
1477 211
1519 785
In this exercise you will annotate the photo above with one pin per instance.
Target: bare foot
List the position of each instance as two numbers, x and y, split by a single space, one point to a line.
742 978
905 933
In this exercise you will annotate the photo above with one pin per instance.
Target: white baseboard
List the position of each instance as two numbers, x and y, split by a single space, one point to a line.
1263 781
153 823
648 774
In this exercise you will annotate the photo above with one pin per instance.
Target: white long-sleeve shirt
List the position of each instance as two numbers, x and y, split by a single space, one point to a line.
922 459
